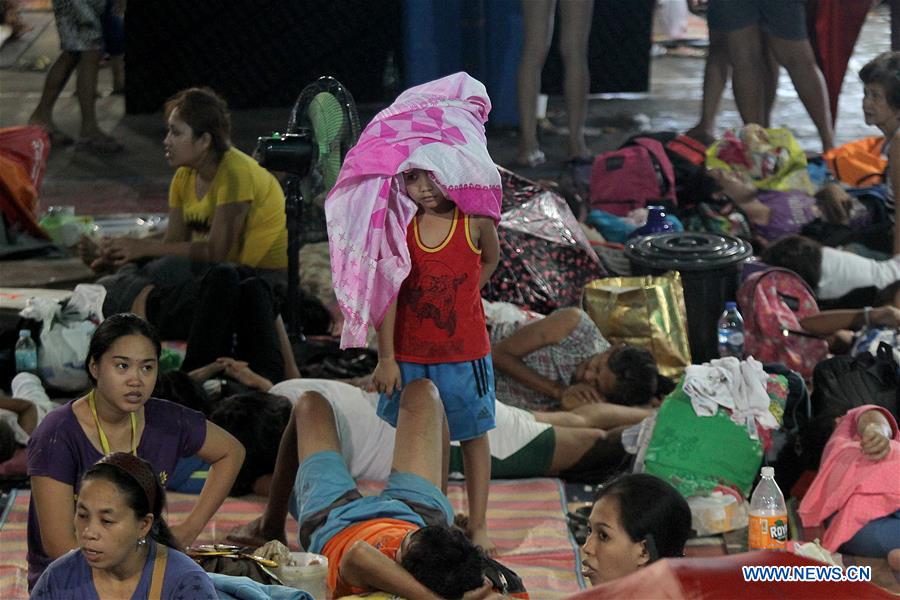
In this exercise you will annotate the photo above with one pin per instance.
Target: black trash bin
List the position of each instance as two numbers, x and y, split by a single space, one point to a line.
710 266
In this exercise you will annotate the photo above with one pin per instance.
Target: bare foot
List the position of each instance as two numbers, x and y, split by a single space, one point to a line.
251 534
704 136
480 538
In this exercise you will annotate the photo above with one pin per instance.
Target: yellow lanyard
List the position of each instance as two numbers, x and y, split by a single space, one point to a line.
104 443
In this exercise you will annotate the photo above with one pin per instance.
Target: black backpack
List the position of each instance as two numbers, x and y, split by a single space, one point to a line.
842 383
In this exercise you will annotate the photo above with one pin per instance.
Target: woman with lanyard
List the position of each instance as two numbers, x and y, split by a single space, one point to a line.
125 549
118 415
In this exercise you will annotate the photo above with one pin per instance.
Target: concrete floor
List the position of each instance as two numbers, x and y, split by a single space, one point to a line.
137 180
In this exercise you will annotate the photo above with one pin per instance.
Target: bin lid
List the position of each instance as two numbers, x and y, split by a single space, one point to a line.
688 251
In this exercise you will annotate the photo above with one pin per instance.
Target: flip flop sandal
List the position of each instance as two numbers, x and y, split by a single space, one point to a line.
535 158
101 145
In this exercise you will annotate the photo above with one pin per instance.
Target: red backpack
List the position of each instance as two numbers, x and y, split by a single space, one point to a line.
632 177
772 303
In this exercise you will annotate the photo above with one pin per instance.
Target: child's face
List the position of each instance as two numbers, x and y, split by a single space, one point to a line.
423 190
876 109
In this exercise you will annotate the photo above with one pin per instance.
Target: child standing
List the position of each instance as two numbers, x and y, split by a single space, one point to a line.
412 238
436 330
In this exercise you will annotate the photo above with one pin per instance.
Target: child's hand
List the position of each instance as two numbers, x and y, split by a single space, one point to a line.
874 443
386 377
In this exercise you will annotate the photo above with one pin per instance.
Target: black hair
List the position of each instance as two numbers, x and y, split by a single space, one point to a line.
886 295
637 376
884 70
128 482
650 509
257 420
800 254
179 387
444 560
113 328
8 443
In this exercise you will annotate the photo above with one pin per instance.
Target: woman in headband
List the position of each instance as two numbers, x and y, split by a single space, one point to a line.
125 548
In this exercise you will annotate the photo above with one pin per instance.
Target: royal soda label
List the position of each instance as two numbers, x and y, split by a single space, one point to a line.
767 532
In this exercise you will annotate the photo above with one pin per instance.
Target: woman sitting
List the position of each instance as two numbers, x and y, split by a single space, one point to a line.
563 361
119 415
636 520
124 547
223 206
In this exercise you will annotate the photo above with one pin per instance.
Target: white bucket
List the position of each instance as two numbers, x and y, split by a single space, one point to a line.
310 574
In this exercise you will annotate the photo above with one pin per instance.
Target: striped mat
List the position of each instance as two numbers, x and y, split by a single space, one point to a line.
526 519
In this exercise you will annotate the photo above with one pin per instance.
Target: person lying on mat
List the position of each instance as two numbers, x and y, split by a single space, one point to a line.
573 445
401 541
636 519
563 361
124 547
119 415
223 206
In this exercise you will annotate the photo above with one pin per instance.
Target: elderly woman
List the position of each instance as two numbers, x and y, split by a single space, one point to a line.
223 206
563 361
125 548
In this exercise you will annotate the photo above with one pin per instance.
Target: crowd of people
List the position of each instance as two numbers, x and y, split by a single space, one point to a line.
452 391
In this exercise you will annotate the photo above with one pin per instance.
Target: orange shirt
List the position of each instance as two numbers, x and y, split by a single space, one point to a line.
383 534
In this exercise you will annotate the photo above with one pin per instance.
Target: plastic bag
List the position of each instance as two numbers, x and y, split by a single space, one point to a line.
545 258
66 334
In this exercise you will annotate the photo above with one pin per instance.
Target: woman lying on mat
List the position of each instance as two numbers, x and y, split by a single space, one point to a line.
635 520
563 361
124 547
119 415
223 206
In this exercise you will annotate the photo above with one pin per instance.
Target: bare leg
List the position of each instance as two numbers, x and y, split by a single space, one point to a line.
537 18
56 80
319 434
798 58
715 76
770 82
893 559
416 449
747 62
477 464
575 21
287 351
86 90
571 444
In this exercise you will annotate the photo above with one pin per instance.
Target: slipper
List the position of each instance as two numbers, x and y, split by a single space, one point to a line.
101 144
579 161
535 157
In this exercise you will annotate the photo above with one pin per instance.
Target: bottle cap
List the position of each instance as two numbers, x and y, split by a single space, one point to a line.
730 305
24 333
768 472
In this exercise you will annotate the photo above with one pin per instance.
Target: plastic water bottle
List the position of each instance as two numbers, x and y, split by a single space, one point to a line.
731 332
26 353
768 527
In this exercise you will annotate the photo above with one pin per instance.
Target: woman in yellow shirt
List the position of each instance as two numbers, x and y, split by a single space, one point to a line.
223 206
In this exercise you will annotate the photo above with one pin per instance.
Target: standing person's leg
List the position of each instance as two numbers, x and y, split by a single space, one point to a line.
770 83
477 463
537 19
56 80
715 76
739 22
575 19
785 29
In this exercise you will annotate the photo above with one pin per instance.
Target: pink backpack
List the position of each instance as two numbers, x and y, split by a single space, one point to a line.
632 177
772 303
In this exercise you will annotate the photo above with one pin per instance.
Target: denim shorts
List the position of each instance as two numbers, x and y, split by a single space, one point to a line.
325 500
467 392
783 19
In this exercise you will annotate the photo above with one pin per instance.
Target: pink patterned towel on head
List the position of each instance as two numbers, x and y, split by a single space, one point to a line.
437 126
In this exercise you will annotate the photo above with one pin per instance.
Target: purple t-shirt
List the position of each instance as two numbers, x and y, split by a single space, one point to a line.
60 449
790 211
69 577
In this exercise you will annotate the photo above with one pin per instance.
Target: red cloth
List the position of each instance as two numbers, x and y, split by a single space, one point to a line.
711 578
440 318
849 484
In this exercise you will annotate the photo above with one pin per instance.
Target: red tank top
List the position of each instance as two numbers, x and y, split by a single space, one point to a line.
440 317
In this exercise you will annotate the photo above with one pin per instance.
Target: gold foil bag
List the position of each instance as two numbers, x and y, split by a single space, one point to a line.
647 312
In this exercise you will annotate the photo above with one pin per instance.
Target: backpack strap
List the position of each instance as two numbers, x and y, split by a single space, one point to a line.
159 571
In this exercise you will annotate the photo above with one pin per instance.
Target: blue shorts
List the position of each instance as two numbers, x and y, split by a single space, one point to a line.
783 19
325 500
467 391
876 538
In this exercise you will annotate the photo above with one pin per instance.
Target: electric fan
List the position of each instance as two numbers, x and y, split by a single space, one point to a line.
322 128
